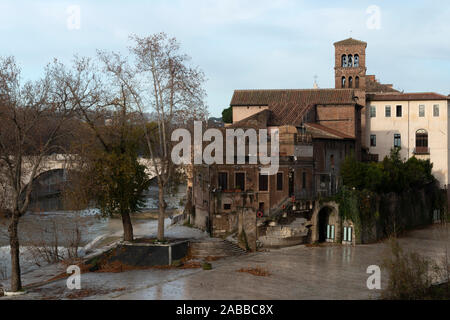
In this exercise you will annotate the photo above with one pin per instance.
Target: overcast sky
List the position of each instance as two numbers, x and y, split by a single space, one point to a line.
244 44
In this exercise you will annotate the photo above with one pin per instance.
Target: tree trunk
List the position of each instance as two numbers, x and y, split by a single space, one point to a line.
162 213
16 282
127 227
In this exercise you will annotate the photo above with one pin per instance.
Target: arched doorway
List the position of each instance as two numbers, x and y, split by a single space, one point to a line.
324 225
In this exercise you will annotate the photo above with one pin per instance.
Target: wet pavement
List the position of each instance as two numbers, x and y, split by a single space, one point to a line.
301 272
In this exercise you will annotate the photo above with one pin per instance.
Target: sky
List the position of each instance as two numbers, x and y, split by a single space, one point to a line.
243 44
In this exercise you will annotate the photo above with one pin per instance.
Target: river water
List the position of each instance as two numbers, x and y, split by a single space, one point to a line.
63 228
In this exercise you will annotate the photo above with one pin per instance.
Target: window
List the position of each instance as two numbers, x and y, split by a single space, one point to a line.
227 206
261 207
356 64
373 140
330 232
397 140
387 111
399 111
350 61
373 111
421 140
350 82
348 234
304 180
280 181
344 61
263 182
239 182
223 181
421 111
343 82
436 110
357 82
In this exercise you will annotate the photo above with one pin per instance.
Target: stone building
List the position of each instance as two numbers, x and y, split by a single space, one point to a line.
317 129
416 122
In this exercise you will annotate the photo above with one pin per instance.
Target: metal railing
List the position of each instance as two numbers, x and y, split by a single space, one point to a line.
421 150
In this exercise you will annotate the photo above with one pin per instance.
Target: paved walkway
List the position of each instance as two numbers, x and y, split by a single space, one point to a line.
301 272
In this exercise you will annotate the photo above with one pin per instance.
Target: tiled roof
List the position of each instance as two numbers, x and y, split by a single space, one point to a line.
289 106
373 86
406 96
321 132
350 42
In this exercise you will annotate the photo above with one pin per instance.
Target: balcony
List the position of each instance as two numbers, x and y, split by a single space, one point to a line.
422 150
325 185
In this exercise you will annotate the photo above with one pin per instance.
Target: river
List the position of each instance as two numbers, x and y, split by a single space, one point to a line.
62 228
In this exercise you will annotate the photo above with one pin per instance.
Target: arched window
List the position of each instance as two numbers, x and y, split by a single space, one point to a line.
350 61
350 82
421 139
357 82
356 62
344 61
343 82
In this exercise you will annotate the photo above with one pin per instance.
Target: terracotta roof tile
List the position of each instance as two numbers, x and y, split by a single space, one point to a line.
321 132
350 42
406 96
289 106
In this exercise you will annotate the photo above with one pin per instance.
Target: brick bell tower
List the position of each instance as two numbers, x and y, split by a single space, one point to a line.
350 64
350 73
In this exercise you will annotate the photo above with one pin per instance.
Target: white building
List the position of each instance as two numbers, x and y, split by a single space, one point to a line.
416 122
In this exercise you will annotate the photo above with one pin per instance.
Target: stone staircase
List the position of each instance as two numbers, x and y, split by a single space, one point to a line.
217 248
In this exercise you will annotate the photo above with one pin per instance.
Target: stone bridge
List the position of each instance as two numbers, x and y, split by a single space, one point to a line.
61 161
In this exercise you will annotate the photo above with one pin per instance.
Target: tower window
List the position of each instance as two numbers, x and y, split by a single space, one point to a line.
350 61
344 61
343 82
357 82
350 82
356 64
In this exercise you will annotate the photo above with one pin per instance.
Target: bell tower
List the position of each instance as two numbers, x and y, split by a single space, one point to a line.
350 64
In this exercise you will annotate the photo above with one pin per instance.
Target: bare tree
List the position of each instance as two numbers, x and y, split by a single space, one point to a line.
32 119
161 82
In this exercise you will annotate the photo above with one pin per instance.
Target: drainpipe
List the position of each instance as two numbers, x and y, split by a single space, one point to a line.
408 130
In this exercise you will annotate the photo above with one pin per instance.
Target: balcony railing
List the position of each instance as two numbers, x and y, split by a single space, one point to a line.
422 150
325 185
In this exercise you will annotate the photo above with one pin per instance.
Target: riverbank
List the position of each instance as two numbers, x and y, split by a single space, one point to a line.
301 272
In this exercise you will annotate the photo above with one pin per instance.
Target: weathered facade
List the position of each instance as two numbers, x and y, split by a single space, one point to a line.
318 129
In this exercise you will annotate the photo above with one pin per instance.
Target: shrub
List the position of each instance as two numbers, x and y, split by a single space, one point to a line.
206 266
410 275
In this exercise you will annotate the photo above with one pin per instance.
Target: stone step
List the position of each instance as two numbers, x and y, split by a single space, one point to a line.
214 248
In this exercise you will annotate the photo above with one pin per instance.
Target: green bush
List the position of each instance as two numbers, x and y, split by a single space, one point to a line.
391 175
206 266
227 115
